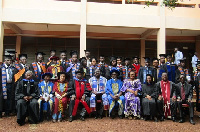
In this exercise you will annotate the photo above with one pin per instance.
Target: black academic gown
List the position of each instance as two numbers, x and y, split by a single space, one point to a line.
27 88
149 106
141 74
72 91
188 95
171 71
86 74
7 105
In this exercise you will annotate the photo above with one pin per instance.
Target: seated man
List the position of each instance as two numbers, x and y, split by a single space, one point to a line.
46 96
98 100
166 98
115 97
185 93
27 95
78 94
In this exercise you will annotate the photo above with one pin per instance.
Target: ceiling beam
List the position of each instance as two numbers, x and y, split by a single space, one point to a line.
147 33
14 28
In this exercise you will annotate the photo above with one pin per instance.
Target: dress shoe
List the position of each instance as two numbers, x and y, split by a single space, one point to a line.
120 116
155 119
181 120
100 116
174 119
0 114
54 121
191 121
162 118
70 119
82 118
145 118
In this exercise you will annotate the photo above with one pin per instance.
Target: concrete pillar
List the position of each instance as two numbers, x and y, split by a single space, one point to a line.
1 33
142 51
161 35
83 27
197 47
18 45
123 1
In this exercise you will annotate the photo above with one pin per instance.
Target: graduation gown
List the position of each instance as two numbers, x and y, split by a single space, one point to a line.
8 104
78 88
52 69
103 68
149 106
197 87
136 67
21 74
143 72
27 88
171 71
71 69
38 74
186 72
166 107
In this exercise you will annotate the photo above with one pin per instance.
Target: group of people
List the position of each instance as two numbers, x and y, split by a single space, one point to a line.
89 86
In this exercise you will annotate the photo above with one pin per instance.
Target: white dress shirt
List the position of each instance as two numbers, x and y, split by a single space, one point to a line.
194 59
178 57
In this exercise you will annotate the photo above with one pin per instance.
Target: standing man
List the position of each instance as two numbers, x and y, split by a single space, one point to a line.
171 68
182 70
185 93
194 61
22 68
178 56
119 62
73 66
156 70
126 68
145 70
136 64
102 65
38 67
87 56
63 59
162 66
197 85
7 89
166 98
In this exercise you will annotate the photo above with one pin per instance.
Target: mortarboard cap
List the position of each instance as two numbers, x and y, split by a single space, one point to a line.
135 57
23 55
52 50
128 59
119 57
101 55
87 50
73 52
40 53
63 51
112 58
169 55
162 55
147 59
12 52
7 56
93 58
82 59
153 59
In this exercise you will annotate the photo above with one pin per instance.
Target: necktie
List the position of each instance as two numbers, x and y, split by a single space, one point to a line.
10 73
182 93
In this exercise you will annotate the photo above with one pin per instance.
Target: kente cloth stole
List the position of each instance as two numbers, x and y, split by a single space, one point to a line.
74 69
91 68
182 72
124 72
42 65
4 80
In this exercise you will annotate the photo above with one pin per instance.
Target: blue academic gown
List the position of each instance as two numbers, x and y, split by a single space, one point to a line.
46 106
114 87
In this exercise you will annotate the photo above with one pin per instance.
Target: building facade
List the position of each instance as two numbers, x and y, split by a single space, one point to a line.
109 27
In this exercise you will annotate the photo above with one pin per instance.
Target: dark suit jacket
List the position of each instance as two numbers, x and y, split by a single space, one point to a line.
188 90
172 89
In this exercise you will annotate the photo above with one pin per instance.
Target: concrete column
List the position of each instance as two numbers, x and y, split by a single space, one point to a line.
197 47
123 1
83 27
1 33
161 35
18 45
142 51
